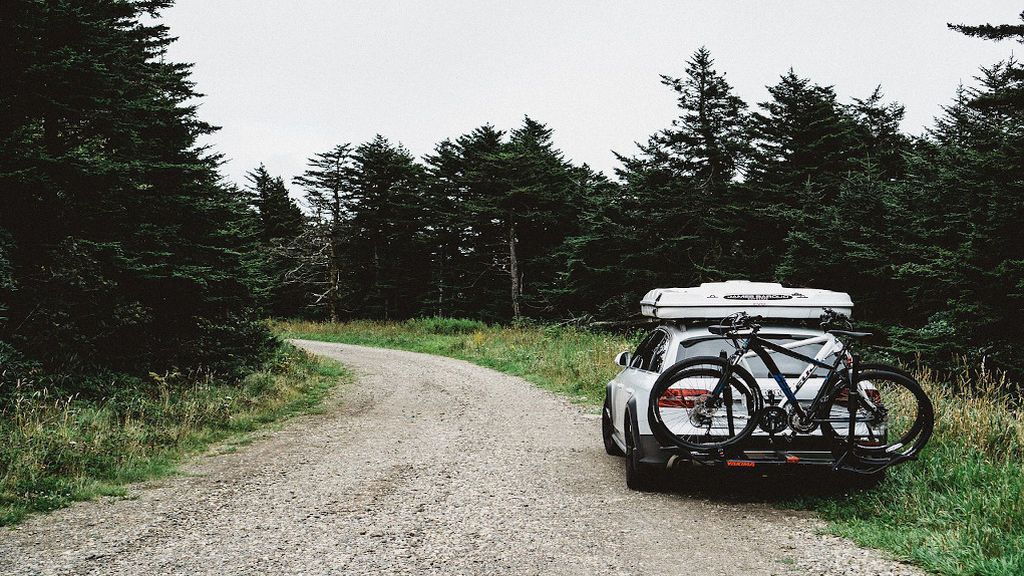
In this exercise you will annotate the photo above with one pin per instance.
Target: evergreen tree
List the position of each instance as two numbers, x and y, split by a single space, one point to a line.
805 144
316 259
605 271
470 247
828 243
853 244
1012 96
126 250
386 248
953 127
883 142
707 142
539 209
281 222
280 216
367 239
964 269
678 193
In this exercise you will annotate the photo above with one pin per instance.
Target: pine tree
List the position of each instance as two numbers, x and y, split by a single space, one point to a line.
316 259
464 181
449 233
534 203
845 233
707 142
1012 96
953 127
386 247
280 216
805 145
993 32
883 142
682 188
126 249
605 273
281 222
805 141
965 273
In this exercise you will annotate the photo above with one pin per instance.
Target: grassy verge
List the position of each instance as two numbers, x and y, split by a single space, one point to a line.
563 359
958 510
55 450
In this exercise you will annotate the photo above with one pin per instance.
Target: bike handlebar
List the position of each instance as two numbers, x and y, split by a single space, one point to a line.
743 321
831 318
736 322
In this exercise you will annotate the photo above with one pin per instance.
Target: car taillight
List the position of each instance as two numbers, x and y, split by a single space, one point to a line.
873 395
679 397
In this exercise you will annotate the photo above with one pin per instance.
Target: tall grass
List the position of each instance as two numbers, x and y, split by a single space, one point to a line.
957 510
56 449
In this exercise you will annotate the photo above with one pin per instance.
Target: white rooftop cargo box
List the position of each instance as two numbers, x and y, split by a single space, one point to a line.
715 300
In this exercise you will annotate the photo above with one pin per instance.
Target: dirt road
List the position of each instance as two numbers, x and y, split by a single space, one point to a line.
426 466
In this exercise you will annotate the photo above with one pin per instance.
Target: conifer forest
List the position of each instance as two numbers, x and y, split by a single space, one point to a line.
124 251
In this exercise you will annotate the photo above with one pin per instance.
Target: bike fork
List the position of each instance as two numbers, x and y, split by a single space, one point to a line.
725 390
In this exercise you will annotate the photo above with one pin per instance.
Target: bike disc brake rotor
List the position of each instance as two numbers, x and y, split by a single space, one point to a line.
702 412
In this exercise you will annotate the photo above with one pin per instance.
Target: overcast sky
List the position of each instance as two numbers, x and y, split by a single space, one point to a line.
287 79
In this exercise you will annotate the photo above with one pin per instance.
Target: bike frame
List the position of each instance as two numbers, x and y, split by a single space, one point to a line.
762 348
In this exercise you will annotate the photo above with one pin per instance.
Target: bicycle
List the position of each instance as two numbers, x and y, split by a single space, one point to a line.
873 415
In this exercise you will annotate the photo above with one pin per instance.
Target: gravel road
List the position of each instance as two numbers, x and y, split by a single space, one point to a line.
426 466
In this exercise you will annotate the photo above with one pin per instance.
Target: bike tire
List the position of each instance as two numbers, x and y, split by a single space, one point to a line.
709 370
915 417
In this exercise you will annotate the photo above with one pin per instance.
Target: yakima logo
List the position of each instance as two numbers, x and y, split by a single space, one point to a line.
758 296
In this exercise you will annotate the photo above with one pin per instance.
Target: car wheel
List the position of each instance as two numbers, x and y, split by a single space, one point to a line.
639 476
606 430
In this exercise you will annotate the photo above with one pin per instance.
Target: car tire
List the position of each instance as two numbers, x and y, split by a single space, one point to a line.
639 476
606 430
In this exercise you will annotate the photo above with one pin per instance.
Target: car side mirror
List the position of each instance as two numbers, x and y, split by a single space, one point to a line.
622 359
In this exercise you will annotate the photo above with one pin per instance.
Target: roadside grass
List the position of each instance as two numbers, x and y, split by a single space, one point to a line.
567 360
55 450
957 510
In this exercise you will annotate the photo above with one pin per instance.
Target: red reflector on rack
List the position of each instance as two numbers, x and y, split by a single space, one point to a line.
739 463
792 459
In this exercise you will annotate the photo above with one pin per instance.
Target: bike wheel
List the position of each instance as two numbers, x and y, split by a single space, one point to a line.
684 412
890 414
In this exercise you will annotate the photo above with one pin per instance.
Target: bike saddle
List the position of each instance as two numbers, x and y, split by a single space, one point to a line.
849 334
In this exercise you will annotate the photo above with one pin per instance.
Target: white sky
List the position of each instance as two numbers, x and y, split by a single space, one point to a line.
287 79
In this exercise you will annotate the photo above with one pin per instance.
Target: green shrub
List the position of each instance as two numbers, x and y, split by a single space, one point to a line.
442 325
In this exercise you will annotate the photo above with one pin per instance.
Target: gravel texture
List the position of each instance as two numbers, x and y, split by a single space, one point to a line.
427 466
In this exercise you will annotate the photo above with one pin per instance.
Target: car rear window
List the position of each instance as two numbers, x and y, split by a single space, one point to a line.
790 367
